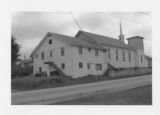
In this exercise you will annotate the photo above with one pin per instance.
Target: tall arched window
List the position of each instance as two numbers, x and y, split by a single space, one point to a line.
123 55
129 54
117 54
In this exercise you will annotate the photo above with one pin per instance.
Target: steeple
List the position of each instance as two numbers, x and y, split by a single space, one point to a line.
121 29
121 36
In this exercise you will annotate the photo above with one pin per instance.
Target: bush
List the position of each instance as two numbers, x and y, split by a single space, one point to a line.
17 70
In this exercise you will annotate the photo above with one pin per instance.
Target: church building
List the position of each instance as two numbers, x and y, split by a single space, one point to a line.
86 53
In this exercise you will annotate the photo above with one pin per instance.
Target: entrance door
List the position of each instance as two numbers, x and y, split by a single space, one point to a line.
52 69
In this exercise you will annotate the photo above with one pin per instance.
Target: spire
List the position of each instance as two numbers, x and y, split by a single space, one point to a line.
121 33
121 36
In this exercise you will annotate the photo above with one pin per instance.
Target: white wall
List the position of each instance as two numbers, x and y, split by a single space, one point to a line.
140 53
72 58
55 47
85 58
120 63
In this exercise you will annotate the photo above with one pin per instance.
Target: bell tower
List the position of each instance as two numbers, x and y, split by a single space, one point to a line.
121 36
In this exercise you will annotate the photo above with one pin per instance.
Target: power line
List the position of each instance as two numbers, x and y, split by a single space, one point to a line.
119 18
75 21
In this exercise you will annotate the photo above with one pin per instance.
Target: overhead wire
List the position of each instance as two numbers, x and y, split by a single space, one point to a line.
119 18
122 18
75 21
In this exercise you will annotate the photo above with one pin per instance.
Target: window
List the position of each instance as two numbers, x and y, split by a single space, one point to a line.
123 56
117 54
88 66
80 50
63 66
80 65
98 67
89 49
109 55
50 53
50 41
62 51
96 52
40 69
141 58
129 55
42 55
36 55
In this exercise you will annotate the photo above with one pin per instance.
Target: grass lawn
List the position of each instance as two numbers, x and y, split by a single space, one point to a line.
34 83
136 96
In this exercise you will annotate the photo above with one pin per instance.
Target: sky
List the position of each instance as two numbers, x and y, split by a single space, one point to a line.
29 28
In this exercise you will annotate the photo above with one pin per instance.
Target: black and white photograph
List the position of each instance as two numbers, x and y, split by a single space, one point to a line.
81 58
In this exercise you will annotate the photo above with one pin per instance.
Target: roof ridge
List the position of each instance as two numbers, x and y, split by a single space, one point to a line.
103 40
105 37
61 35
69 39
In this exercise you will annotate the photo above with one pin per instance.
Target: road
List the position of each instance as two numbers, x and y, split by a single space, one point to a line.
54 95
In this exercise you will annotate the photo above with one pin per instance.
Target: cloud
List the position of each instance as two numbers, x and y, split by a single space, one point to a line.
97 23
28 46
30 27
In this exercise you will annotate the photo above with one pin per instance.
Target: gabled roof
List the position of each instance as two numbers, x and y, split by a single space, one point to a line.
69 40
75 41
103 40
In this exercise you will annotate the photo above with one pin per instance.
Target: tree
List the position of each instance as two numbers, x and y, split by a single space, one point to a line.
15 48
